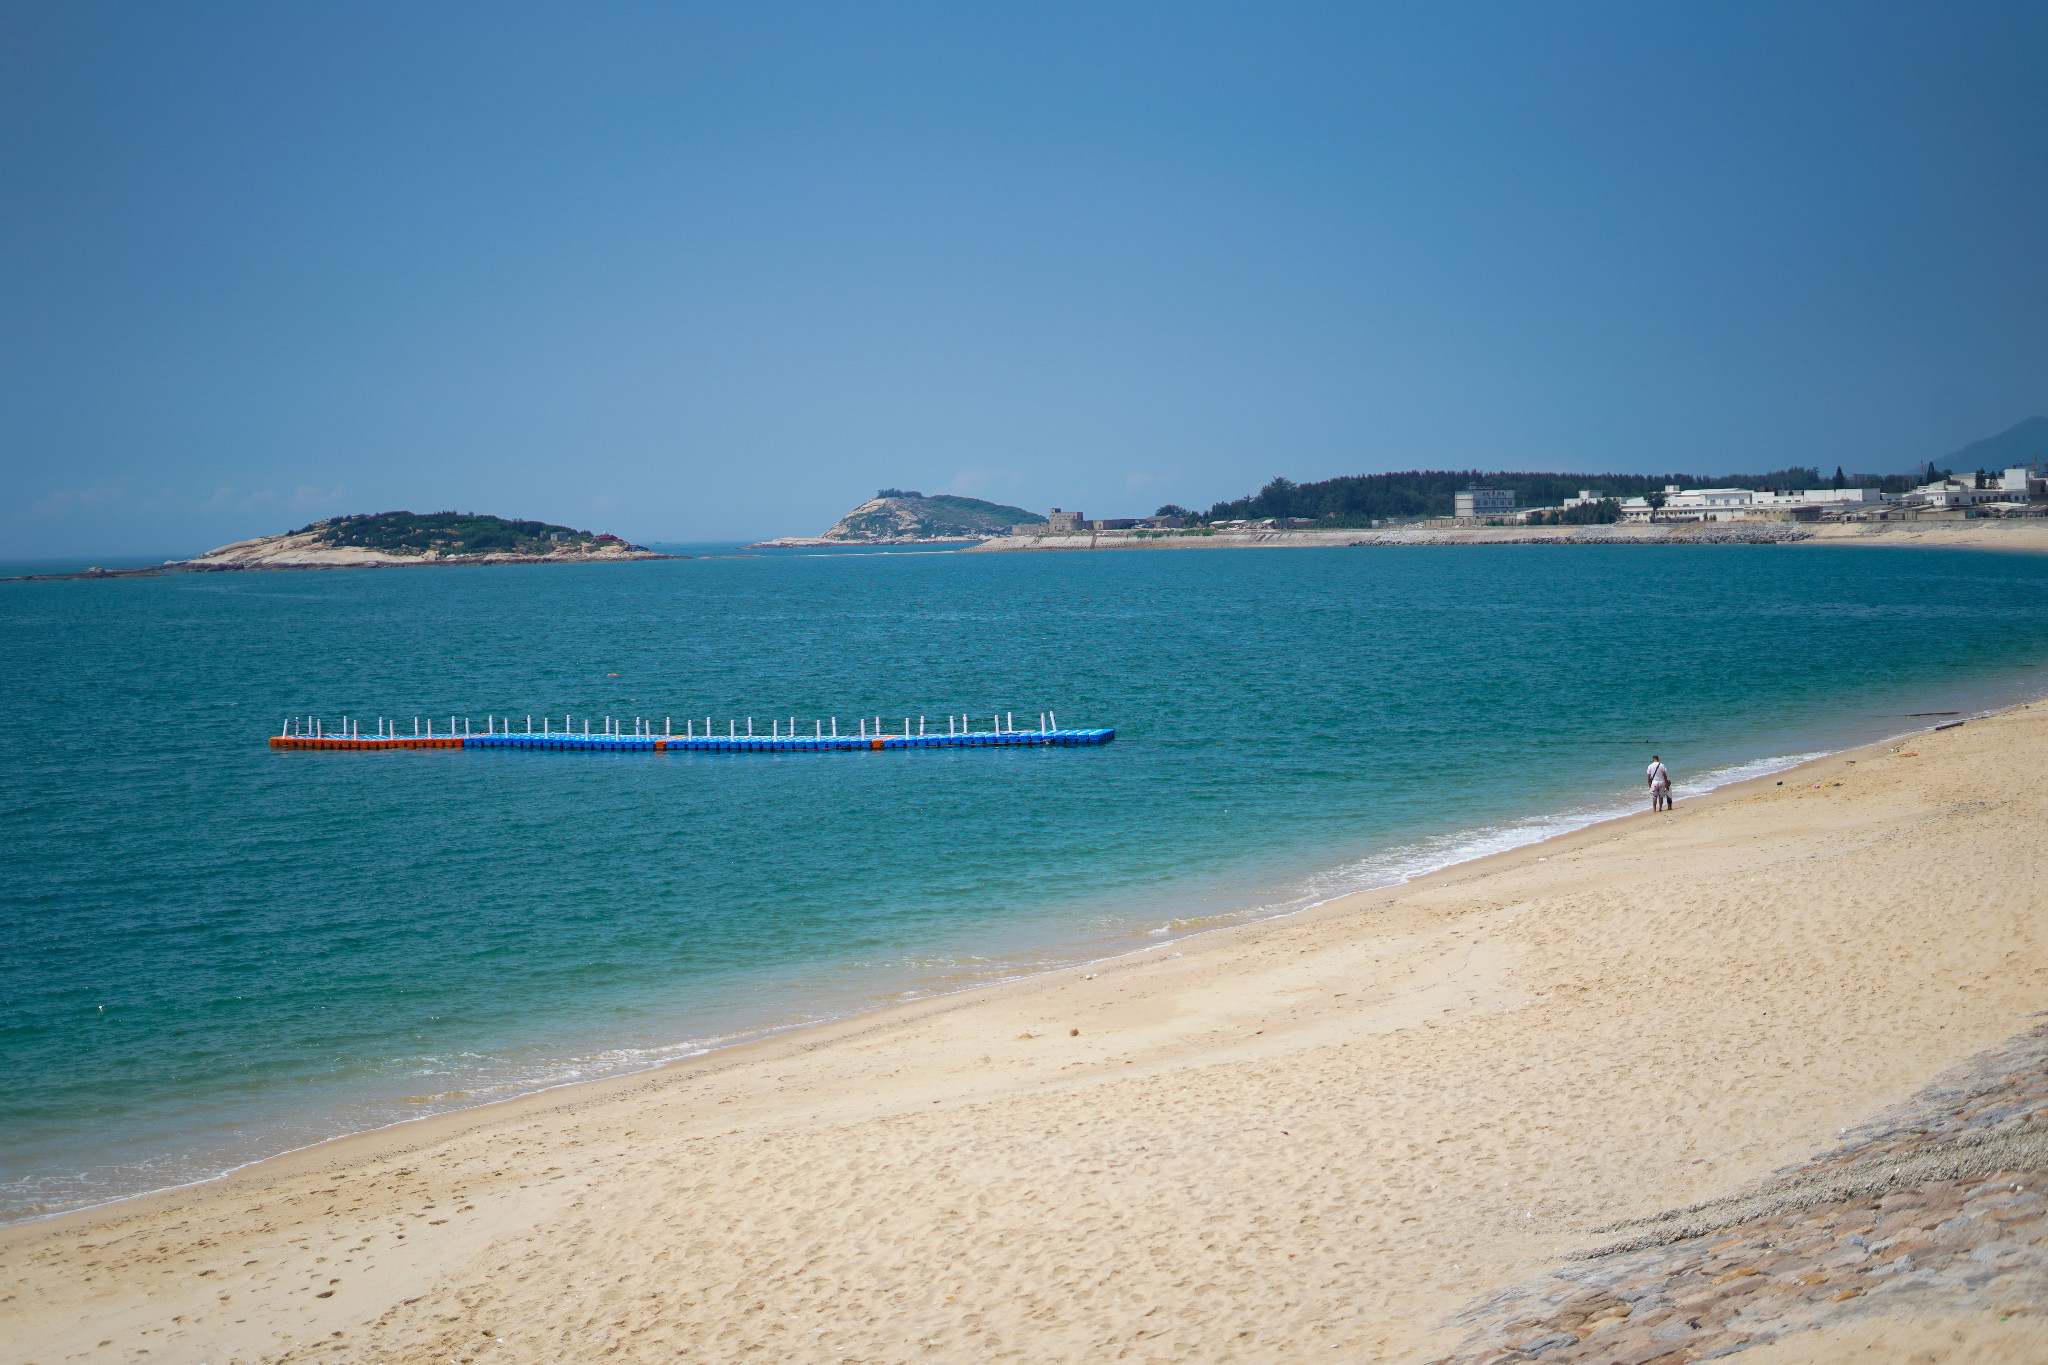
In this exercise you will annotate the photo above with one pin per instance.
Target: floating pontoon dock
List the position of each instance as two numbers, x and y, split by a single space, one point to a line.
311 732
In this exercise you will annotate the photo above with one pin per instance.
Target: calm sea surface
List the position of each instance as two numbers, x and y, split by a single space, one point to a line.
215 951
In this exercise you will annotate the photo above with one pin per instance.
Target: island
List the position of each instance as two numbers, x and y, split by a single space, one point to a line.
386 540
896 516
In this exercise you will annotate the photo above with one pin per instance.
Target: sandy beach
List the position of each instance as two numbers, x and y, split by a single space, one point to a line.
1337 1136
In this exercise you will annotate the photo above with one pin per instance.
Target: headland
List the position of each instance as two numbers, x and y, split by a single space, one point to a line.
1754 1076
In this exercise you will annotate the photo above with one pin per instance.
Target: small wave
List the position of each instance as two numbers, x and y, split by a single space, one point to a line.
1405 862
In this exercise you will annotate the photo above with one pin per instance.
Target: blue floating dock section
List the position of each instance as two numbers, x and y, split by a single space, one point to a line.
792 743
977 739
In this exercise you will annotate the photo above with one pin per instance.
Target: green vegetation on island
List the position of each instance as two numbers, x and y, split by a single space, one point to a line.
450 533
900 514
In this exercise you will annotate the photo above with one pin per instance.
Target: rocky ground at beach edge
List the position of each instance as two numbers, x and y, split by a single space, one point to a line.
1939 1206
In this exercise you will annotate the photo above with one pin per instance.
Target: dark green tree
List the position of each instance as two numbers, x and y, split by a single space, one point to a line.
1278 497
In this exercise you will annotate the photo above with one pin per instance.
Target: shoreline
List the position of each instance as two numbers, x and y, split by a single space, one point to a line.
2018 536
2012 536
1418 1093
410 1138
1304 899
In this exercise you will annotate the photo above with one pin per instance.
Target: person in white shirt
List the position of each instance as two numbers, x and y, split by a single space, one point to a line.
1660 784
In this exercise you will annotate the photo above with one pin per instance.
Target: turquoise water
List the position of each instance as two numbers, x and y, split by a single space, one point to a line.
217 951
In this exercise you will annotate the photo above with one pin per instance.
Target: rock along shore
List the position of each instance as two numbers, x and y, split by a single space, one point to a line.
1936 1207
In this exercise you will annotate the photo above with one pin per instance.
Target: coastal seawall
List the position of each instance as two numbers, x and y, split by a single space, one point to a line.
2028 535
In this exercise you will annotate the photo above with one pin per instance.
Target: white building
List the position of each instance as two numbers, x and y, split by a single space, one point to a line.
2022 483
1690 504
1954 493
1743 504
1828 497
1063 523
1483 502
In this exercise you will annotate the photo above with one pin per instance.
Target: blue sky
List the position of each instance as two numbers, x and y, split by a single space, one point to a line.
687 272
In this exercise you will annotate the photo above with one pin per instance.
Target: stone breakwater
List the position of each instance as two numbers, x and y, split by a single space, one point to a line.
1939 1206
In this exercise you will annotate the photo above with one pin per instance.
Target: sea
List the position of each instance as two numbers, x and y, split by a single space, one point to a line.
216 951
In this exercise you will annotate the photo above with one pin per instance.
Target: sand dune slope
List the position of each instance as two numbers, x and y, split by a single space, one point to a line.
1316 1139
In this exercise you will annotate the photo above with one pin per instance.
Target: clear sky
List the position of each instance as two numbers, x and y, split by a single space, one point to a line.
686 272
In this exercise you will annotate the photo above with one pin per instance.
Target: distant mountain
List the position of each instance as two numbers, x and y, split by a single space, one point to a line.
2023 443
895 515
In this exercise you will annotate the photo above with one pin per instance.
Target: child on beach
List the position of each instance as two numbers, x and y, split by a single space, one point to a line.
1660 785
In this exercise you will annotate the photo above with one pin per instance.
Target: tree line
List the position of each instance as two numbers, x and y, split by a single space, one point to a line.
1361 499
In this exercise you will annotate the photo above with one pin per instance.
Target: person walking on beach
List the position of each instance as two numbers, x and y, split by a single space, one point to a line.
1660 784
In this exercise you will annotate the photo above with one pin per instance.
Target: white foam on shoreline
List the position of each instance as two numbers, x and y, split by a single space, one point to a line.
1403 863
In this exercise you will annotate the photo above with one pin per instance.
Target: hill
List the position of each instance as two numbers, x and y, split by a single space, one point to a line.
2022 443
448 534
898 517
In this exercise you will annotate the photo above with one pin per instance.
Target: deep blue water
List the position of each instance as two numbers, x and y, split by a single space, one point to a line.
215 951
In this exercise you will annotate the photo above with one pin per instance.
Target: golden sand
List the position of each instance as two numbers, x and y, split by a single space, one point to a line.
1300 1140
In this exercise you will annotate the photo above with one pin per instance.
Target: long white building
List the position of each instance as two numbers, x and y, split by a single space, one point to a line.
2014 486
1737 504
